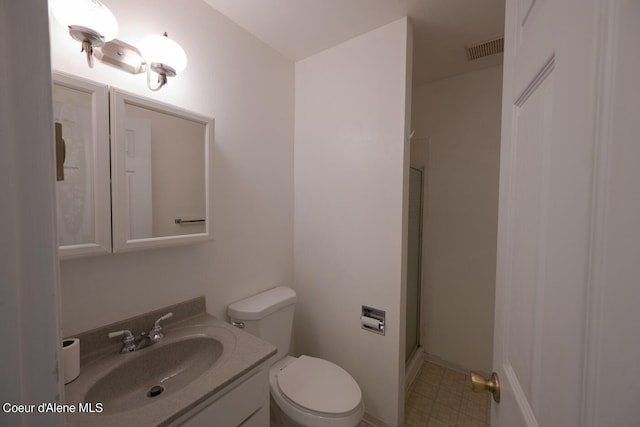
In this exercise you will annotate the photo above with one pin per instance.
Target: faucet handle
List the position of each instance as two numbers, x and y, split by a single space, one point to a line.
156 332
127 334
165 317
128 342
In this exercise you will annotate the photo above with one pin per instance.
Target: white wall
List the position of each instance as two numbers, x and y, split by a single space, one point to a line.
28 262
350 169
248 88
459 121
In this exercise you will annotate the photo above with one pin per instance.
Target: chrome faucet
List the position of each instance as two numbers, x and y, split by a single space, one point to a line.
131 343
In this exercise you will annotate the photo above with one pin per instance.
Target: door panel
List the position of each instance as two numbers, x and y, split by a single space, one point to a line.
544 221
613 346
531 144
529 194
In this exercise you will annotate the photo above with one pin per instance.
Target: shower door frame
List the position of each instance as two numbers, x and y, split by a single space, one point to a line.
409 356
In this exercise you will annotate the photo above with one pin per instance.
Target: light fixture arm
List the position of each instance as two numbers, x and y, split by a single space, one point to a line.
162 78
88 39
87 47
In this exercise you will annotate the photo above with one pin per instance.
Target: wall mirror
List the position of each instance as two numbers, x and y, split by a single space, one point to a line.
83 208
160 173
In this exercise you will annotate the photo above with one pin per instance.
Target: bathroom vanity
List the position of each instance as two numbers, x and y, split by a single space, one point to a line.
202 372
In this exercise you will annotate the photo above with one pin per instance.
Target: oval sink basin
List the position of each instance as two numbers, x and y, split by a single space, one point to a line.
153 373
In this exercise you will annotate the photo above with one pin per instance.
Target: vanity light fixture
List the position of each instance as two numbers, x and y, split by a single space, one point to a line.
89 21
93 24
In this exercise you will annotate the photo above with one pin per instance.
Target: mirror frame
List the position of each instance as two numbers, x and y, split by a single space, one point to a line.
119 200
100 158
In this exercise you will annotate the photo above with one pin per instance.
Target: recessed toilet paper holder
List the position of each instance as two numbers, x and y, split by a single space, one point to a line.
372 320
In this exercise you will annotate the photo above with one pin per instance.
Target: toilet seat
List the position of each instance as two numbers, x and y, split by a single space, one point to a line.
305 416
320 386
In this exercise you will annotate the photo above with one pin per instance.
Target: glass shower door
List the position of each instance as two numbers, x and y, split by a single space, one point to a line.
414 261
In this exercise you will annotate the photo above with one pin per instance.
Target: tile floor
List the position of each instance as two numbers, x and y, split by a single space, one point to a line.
442 397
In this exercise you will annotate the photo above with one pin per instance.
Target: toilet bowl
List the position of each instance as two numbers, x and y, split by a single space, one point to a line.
312 392
305 391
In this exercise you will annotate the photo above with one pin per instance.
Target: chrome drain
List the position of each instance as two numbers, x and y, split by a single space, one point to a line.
154 391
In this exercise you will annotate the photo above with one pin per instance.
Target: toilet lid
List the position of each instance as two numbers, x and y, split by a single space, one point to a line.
319 385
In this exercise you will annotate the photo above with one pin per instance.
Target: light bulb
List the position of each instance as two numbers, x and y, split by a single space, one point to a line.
90 14
162 50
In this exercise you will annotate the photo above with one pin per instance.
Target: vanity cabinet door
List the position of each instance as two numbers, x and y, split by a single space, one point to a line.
246 404
83 199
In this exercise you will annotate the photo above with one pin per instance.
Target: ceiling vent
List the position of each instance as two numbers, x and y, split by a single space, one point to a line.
485 48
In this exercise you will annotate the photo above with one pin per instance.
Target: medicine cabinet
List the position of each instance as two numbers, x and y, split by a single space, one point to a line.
131 173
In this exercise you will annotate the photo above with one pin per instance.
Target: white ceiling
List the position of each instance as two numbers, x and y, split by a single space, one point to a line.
301 28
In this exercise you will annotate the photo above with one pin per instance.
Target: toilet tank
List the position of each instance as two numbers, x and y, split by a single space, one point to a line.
267 315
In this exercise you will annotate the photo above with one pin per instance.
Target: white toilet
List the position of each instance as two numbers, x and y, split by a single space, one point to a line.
305 391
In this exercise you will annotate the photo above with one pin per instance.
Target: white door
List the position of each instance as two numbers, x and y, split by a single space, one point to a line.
567 330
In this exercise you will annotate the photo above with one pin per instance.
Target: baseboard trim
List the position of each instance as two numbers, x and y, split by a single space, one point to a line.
373 421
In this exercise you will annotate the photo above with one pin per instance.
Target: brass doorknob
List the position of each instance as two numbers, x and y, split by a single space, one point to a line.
480 384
